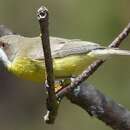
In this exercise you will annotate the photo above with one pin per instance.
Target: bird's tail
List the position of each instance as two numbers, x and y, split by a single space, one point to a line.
104 53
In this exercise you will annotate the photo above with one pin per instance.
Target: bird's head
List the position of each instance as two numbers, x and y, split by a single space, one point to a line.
9 46
4 46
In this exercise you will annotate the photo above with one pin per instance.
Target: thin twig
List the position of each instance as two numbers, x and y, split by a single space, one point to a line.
52 104
121 37
94 66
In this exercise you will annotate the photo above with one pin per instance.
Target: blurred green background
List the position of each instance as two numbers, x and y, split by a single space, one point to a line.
22 103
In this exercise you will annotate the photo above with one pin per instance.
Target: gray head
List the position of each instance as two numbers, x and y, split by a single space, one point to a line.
8 49
5 31
10 44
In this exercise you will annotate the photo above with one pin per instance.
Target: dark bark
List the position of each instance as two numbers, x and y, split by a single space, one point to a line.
100 106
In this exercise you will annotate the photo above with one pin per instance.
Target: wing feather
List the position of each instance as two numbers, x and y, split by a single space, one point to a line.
32 47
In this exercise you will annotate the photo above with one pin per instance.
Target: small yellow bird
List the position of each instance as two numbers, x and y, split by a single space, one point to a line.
23 56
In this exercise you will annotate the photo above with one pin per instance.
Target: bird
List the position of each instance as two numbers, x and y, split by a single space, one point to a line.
24 57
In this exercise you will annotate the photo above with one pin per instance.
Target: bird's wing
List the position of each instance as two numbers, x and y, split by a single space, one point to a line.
61 47
73 47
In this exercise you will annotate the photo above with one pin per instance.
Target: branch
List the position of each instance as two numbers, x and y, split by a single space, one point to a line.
52 104
94 66
100 106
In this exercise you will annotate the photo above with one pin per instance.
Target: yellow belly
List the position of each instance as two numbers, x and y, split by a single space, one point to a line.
34 70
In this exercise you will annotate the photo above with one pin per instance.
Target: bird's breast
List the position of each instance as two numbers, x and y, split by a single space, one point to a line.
34 70
28 69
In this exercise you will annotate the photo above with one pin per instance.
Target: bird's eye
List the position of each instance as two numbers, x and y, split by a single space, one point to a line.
2 44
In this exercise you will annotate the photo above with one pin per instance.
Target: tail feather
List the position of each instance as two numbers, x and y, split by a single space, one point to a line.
105 53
